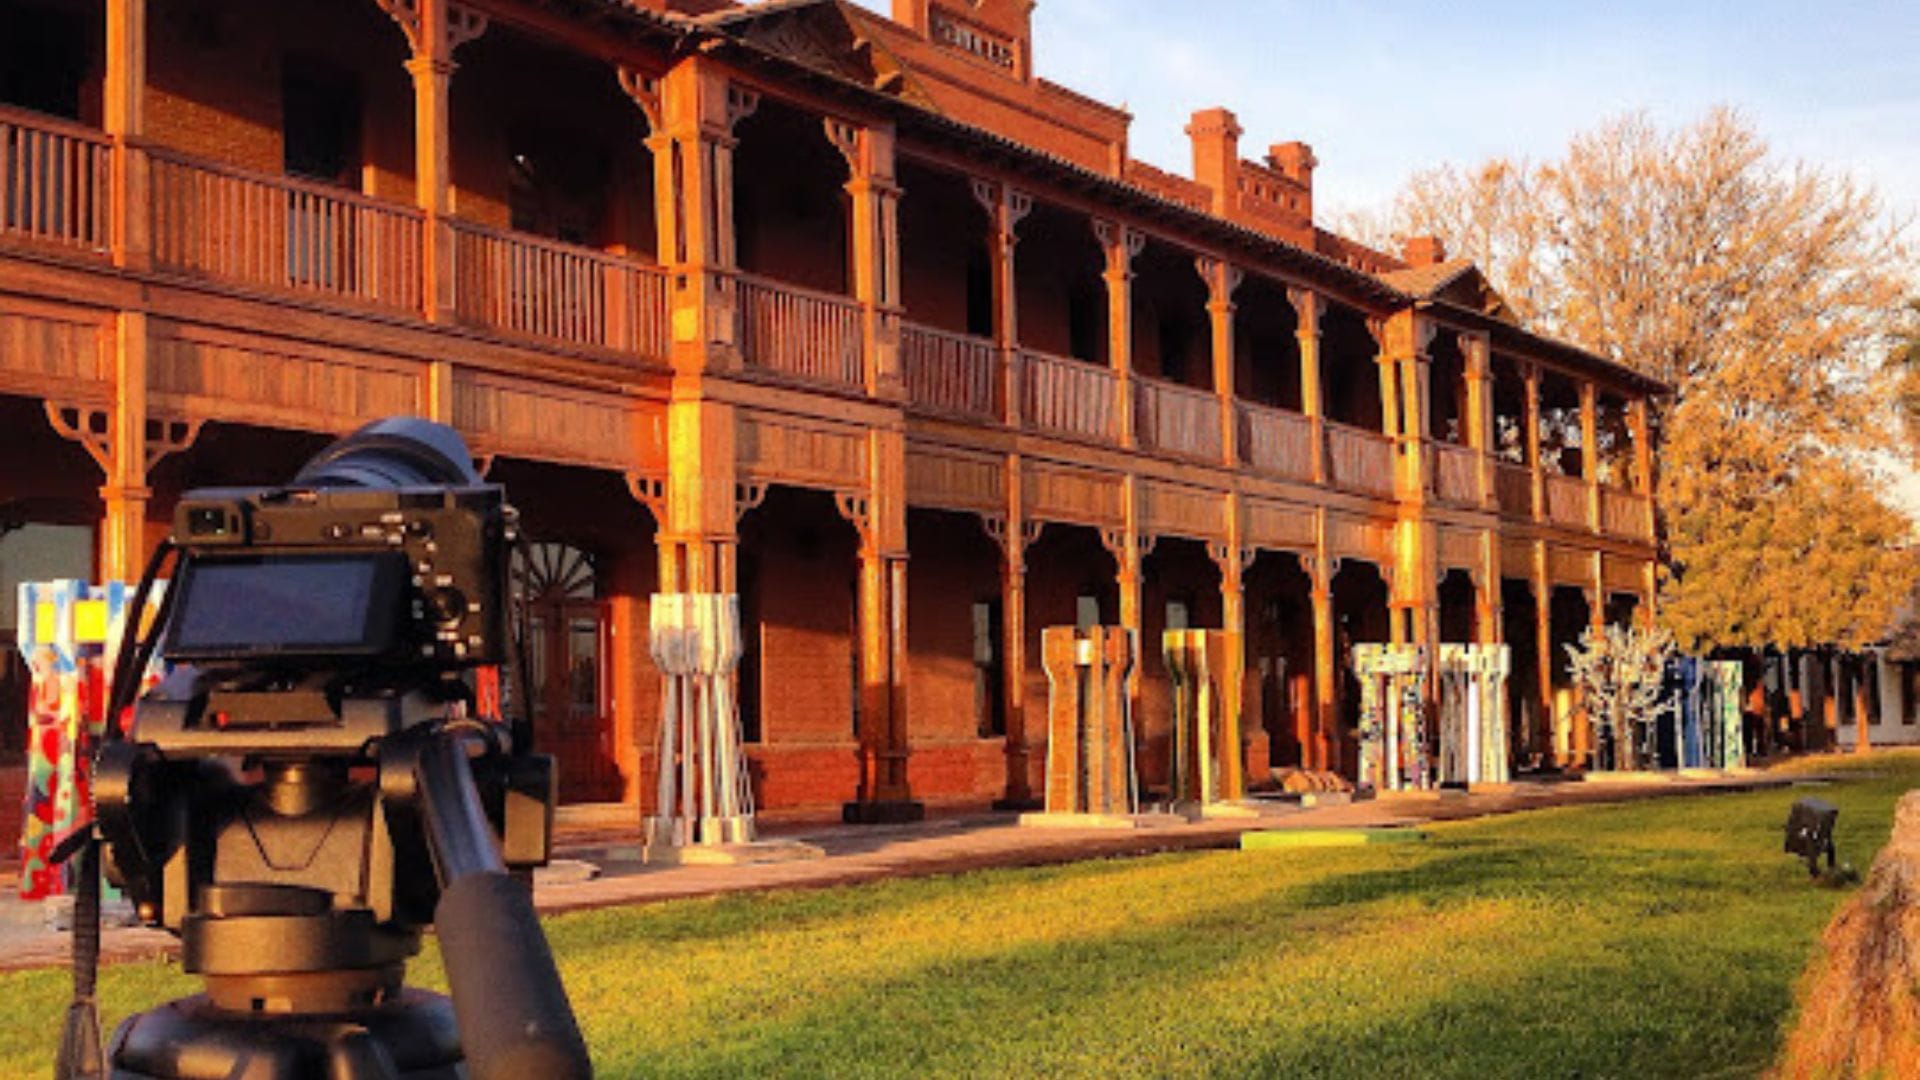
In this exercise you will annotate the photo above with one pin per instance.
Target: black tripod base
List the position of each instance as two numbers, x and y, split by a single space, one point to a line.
410 1038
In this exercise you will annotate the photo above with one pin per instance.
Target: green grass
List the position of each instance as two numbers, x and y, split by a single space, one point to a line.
1660 938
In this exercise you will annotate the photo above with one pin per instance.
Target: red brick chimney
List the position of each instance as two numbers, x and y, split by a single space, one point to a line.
1216 155
1295 161
1423 251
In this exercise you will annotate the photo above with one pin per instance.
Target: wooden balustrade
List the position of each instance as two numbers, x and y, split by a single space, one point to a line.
519 284
797 331
1456 473
1276 441
1513 485
55 182
1177 419
234 225
1359 460
948 372
1624 513
1069 396
1567 501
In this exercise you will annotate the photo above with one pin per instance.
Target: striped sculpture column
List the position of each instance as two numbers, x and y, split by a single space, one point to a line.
704 798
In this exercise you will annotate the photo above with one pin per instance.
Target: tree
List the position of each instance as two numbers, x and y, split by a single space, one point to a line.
1619 672
1769 295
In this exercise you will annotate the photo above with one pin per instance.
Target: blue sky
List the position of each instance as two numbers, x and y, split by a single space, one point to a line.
1384 88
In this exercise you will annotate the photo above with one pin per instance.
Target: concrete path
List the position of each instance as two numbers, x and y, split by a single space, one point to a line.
855 854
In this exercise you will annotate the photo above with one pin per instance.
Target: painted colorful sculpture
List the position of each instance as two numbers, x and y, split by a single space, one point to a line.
1204 666
1473 714
1393 744
1710 725
704 795
68 633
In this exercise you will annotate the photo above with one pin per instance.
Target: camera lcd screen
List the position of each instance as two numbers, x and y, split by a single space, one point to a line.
293 606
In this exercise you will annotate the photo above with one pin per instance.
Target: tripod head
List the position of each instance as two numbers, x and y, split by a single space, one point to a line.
309 788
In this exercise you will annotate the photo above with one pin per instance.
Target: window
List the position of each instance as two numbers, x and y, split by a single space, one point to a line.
979 293
1086 611
43 58
1178 615
989 673
320 119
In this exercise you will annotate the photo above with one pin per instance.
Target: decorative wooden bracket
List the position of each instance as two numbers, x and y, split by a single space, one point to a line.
483 463
1122 243
1308 307
747 494
644 90
741 103
1114 539
463 25
845 137
857 508
650 490
1223 279
1012 548
92 427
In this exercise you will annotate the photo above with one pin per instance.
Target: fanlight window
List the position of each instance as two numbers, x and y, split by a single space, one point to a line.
553 571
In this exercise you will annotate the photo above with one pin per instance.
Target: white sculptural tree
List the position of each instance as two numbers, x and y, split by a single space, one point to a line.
1618 671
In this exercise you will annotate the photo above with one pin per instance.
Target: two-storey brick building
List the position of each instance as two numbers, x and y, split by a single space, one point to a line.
856 315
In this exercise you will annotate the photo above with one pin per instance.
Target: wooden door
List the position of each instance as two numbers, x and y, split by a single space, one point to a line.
567 665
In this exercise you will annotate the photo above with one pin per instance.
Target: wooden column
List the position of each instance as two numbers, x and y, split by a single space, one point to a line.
1120 245
697 111
434 29
1543 651
123 116
1530 375
875 200
1232 557
879 514
700 508
124 494
1308 307
1641 430
1489 606
1125 544
1006 208
1014 533
1590 451
1477 349
1222 280
1322 753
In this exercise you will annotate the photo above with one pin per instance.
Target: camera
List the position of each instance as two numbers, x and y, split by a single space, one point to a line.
310 785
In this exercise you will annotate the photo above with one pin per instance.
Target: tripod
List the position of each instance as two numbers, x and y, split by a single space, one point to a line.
315 903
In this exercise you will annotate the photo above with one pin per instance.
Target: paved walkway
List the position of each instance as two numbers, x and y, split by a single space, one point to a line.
855 854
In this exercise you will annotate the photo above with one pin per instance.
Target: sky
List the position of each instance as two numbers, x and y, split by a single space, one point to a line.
1381 89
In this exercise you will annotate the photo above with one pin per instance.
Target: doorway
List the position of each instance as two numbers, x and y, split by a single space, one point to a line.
566 664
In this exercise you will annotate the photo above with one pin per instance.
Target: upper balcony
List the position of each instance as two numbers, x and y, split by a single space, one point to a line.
556 249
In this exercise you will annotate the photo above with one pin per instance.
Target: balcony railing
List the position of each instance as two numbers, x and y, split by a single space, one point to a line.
1178 419
1624 513
952 373
1567 501
1068 396
1359 460
1513 485
519 284
55 183
1276 441
794 331
228 224
1456 473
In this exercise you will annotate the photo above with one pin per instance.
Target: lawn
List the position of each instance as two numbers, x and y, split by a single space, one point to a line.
1660 938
